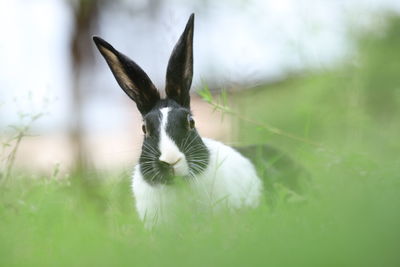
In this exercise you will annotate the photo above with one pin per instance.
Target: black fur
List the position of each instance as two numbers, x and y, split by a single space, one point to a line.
140 88
275 167
180 67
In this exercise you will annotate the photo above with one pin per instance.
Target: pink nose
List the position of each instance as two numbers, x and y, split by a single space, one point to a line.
170 160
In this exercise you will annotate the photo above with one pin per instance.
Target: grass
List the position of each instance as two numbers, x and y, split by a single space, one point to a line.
350 220
349 217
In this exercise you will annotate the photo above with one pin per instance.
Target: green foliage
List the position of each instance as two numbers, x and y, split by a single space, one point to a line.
352 220
380 57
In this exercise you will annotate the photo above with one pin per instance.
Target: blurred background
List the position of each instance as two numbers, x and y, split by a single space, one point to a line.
317 80
51 73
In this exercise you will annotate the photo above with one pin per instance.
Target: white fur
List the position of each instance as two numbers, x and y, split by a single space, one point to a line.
230 176
230 180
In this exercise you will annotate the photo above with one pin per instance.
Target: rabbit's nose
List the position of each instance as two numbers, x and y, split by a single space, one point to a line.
170 161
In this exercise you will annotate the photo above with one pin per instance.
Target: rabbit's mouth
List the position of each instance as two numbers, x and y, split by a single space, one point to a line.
179 169
168 172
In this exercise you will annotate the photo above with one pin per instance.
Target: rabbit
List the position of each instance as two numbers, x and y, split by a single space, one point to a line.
172 148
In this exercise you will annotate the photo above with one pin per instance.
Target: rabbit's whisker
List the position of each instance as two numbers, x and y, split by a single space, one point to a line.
189 136
198 160
191 141
194 148
149 147
148 162
198 168
154 176
183 143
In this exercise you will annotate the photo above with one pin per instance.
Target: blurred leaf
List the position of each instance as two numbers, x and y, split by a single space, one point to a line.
205 94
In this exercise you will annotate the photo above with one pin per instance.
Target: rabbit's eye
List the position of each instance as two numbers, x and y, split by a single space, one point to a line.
190 122
144 129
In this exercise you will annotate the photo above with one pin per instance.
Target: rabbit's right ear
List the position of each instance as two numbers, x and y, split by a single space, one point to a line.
132 79
180 67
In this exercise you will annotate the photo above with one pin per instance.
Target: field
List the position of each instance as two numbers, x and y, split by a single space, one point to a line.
348 216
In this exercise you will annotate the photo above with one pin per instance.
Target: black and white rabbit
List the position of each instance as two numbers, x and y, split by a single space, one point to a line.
172 148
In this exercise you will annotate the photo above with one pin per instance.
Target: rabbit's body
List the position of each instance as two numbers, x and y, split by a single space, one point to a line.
215 174
229 180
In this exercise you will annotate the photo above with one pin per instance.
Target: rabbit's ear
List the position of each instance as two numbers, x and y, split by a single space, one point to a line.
132 79
180 67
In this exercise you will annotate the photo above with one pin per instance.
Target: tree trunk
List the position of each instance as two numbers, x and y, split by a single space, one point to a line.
85 20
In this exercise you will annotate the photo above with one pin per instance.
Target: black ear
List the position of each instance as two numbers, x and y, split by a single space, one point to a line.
132 79
180 67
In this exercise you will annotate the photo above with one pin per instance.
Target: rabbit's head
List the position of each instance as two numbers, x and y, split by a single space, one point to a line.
171 146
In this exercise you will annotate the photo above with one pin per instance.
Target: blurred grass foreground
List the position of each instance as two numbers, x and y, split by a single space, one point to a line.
350 215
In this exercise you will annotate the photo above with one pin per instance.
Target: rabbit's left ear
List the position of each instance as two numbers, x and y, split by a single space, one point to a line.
180 67
132 79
